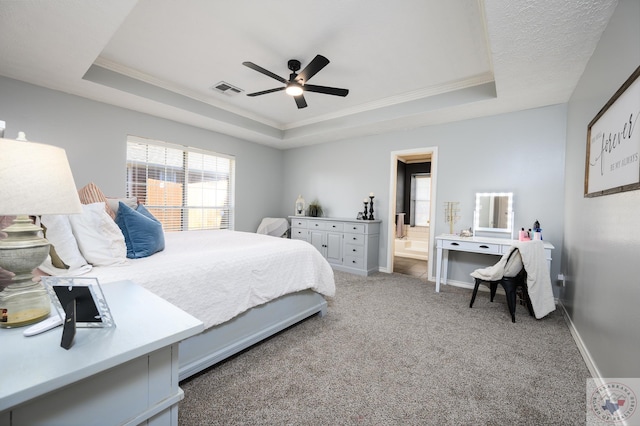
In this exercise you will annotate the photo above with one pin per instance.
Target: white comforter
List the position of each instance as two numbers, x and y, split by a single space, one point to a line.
216 275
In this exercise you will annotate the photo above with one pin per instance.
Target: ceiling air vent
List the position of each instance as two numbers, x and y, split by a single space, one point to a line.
226 88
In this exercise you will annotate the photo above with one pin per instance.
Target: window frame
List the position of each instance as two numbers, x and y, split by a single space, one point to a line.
415 199
223 215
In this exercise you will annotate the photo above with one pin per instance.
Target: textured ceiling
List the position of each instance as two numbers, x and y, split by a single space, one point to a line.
415 63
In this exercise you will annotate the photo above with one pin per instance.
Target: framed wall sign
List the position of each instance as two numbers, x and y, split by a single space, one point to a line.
613 143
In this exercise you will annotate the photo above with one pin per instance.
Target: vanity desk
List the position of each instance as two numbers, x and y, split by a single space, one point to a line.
484 245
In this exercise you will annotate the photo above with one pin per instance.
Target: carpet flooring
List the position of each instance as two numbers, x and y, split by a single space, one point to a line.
391 351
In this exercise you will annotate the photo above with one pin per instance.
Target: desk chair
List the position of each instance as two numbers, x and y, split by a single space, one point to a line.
510 286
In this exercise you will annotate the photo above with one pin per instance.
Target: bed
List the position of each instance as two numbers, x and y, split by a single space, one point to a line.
243 286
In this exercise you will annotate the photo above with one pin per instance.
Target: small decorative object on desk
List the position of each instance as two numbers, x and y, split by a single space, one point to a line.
523 235
371 196
466 233
451 211
365 215
537 231
300 205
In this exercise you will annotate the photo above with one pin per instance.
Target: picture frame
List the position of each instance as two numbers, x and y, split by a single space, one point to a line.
91 308
612 162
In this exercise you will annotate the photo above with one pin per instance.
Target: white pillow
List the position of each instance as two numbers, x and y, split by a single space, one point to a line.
114 203
99 239
60 235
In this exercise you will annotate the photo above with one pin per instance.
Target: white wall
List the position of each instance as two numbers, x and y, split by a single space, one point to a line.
602 234
519 152
94 136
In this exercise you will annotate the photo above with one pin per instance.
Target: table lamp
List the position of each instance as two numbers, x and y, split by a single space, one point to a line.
35 179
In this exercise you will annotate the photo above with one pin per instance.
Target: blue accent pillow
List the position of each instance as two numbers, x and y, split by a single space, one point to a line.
142 209
142 232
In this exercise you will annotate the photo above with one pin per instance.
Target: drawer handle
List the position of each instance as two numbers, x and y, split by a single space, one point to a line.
353 261
354 228
354 238
354 250
455 244
484 247
333 226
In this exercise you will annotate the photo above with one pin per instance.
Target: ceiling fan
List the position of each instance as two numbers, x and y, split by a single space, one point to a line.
297 83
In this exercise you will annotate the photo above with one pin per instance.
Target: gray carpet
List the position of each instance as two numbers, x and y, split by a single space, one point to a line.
392 351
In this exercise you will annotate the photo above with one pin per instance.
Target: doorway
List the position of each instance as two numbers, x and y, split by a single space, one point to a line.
412 205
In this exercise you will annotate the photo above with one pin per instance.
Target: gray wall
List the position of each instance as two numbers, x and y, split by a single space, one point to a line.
94 136
602 234
519 152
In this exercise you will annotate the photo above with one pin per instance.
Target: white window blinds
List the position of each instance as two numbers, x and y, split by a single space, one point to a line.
185 188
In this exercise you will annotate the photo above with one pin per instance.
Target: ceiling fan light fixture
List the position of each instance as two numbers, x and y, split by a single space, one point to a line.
293 89
297 83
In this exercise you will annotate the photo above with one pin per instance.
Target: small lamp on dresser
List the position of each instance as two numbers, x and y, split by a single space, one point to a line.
35 179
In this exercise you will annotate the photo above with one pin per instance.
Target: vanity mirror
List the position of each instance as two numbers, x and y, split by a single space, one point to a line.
493 212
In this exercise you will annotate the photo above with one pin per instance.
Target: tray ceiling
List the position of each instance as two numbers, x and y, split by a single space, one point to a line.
414 64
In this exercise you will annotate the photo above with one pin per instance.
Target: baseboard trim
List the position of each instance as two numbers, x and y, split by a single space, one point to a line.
586 356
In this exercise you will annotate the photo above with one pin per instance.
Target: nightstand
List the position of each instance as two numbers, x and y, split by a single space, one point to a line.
127 374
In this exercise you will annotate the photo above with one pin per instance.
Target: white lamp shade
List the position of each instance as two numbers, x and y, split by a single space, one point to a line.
35 179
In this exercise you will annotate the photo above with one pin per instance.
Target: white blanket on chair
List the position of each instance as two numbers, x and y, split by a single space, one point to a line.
538 278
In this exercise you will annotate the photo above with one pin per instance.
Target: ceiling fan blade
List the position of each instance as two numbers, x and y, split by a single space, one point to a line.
300 101
312 69
326 90
263 71
264 92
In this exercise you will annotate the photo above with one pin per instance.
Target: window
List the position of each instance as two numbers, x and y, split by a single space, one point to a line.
185 188
420 199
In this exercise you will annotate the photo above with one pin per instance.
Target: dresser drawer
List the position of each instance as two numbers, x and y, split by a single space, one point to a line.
299 223
299 234
354 228
471 246
354 239
354 251
317 224
353 262
334 226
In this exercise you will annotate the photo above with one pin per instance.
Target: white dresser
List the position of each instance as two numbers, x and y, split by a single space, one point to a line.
349 245
126 375
493 246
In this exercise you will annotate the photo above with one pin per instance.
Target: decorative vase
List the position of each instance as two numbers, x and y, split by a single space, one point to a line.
315 210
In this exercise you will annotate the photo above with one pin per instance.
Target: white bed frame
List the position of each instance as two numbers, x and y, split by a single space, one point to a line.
222 341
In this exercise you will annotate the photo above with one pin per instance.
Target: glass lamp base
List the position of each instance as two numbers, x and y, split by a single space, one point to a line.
23 301
23 305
